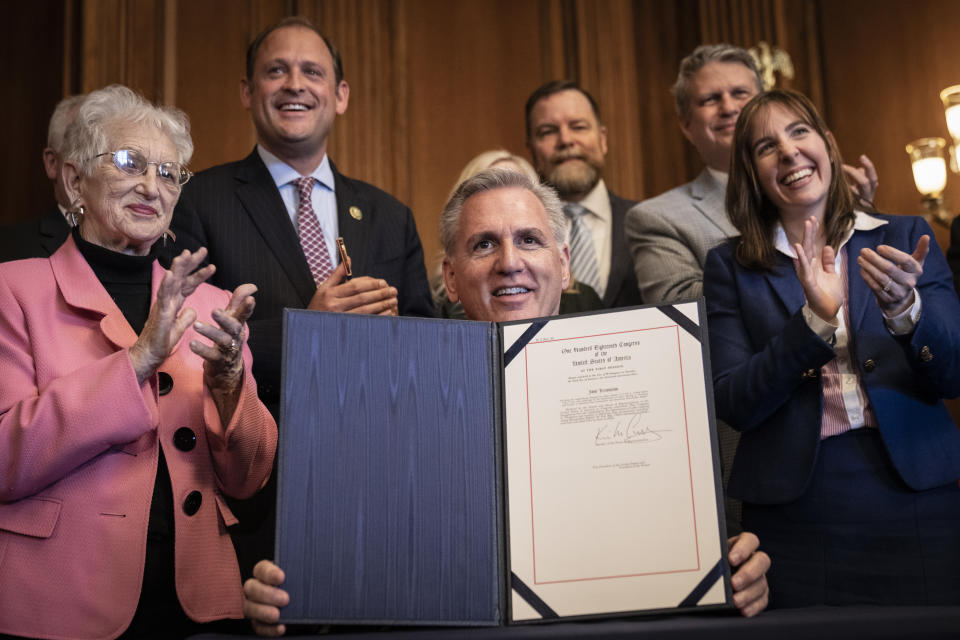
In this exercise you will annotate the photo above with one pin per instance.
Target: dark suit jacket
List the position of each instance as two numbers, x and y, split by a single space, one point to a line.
622 289
953 253
34 238
760 347
235 210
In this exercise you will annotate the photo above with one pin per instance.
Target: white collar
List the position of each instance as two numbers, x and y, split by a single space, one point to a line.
283 174
597 201
861 222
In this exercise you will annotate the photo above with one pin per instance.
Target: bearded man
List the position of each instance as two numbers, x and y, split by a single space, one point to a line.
568 144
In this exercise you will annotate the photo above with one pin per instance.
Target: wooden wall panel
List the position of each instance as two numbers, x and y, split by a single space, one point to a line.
103 48
371 140
209 66
32 43
783 24
607 68
884 64
663 32
554 29
123 42
471 67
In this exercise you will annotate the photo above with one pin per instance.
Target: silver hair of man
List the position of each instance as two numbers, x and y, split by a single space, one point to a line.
104 109
702 56
63 115
499 178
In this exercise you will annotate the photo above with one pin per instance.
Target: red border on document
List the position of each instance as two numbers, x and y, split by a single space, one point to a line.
686 432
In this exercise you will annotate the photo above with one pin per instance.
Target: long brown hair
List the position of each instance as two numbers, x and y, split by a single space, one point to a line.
749 208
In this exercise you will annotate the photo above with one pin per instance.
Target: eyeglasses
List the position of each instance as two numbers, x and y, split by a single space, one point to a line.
132 163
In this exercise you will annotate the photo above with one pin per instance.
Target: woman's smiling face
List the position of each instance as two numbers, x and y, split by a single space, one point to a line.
792 162
129 213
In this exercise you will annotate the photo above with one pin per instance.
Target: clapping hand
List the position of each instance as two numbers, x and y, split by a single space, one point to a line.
863 179
821 283
892 274
166 322
223 366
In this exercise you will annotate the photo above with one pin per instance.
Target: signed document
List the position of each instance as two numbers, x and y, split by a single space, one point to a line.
612 486
476 474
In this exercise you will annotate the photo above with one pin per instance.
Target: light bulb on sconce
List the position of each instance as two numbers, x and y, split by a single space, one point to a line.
930 174
951 110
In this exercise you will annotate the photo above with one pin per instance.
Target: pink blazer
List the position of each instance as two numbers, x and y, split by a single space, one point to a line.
78 457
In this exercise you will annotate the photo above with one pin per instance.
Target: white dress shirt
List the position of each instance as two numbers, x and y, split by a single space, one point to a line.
599 221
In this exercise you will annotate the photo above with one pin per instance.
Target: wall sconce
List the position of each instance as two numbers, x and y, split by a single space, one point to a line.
930 174
951 108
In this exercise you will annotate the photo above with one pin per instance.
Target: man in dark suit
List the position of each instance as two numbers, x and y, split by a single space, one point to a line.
40 237
245 212
255 223
568 143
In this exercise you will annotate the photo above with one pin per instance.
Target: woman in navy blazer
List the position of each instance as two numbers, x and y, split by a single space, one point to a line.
834 334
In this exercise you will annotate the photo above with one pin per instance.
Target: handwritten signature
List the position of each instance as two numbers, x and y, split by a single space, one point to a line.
633 431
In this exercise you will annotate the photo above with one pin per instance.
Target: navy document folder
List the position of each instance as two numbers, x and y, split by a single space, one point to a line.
468 473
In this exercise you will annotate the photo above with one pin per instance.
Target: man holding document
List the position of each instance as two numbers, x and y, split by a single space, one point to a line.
507 259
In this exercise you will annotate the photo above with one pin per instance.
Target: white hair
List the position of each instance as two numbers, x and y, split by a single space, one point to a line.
63 116
114 105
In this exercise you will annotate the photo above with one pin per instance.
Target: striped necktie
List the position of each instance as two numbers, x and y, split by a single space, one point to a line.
583 257
311 233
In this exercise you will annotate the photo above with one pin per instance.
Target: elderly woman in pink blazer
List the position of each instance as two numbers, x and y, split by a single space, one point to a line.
127 408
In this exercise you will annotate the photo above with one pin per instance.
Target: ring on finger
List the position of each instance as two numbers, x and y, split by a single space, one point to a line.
886 287
230 349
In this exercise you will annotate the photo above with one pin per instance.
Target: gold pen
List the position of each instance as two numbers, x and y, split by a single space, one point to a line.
344 258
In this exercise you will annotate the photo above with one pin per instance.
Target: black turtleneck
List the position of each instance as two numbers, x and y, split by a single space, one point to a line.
127 278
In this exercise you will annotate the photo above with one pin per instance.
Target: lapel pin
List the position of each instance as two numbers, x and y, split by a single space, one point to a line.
355 213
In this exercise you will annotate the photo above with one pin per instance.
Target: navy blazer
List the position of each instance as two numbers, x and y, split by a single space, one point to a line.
235 210
762 352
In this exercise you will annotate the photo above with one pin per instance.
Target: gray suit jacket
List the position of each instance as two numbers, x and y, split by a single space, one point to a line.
669 237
